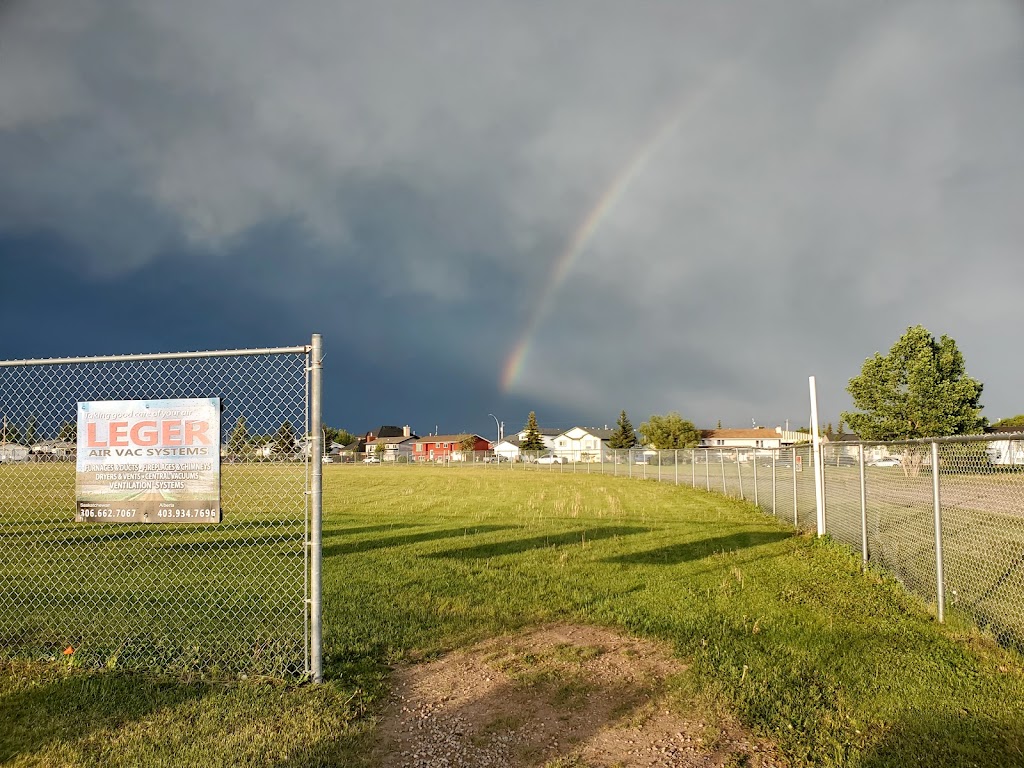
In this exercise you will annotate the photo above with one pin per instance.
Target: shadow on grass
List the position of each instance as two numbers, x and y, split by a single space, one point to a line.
696 550
350 547
369 529
950 740
69 709
519 546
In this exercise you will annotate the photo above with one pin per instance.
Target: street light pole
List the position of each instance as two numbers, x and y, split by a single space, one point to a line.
497 424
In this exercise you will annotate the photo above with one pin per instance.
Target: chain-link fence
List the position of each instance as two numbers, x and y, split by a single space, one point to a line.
236 592
954 536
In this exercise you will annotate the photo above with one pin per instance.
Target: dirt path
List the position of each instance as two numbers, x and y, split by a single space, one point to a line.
563 696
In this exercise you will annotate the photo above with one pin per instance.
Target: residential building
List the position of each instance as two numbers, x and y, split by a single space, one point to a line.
587 444
447 447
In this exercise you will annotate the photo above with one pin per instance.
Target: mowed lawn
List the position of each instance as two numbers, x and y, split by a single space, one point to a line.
836 666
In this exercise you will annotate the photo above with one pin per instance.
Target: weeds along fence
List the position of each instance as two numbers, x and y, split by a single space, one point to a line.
236 592
945 517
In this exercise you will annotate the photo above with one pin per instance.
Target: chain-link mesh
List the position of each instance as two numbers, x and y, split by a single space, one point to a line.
230 596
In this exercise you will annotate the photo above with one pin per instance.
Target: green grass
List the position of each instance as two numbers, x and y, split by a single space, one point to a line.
836 666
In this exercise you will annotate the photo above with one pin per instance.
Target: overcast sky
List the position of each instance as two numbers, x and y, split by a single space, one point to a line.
671 205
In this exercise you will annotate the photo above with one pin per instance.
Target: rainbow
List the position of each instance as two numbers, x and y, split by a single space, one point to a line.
585 232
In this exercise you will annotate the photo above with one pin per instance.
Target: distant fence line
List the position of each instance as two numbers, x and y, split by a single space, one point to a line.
954 536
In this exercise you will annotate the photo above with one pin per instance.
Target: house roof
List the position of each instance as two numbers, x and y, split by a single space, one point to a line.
544 431
385 430
448 438
739 434
845 437
392 440
603 434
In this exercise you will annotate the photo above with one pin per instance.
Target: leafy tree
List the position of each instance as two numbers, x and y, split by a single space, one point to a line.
1012 421
669 432
238 441
10 433
532 440
339 436
284 439
31 430
380 447
624 436
467 444
719 424
69 432
920 389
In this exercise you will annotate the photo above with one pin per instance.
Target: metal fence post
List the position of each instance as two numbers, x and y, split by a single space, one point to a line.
676 459
755 477
796 509
316 522
739 472
863 506
721 457
940 585
774 456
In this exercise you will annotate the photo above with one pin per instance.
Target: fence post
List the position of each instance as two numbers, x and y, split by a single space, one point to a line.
739 472
721 457
796 509
316 513
774 456
863 507
676 458
755 476
940 585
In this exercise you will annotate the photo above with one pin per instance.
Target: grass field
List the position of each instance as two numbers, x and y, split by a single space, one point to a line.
836 666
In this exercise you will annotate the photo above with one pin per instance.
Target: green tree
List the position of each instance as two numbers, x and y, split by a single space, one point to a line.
68 433
624 436
284 439
719 424
532 440
920 389
31 430
1012 421
339 436
669 432
467 444
238 440
380 447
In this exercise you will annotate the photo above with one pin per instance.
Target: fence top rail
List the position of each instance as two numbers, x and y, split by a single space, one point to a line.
305 349
986 438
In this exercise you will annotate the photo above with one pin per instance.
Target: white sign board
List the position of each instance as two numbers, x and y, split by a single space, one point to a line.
149 461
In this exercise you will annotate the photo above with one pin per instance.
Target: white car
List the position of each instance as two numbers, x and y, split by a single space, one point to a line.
888 461
550 459
371 460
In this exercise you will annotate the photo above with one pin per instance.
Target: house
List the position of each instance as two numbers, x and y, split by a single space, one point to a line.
447 447
508 448
13 452
385 430
396 448
587 444
54 450
758 437
1006 452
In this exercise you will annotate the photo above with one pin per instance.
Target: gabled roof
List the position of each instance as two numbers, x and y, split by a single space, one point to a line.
392 440
448 438
545 431
602 434
739 434
385 430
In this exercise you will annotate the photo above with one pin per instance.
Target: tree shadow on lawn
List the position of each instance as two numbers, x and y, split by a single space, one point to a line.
950 740
518 546
689 551
350 547
70 708
369 529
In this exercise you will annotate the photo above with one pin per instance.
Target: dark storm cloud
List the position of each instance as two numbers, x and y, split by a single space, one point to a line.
403 177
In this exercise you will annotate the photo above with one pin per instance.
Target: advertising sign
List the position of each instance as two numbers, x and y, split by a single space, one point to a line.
149 461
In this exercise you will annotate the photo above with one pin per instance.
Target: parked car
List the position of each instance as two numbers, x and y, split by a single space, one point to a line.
550 459
371 460
841 461
888 461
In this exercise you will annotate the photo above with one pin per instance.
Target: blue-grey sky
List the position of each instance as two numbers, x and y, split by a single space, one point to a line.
572 207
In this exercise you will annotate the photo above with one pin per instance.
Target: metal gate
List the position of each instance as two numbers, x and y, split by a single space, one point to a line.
239 596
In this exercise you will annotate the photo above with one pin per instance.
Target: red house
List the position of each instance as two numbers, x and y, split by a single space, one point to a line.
446 447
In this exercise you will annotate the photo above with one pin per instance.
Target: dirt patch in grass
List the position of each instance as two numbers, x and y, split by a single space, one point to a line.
563 696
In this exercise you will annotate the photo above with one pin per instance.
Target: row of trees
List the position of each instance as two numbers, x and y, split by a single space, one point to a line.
662 432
